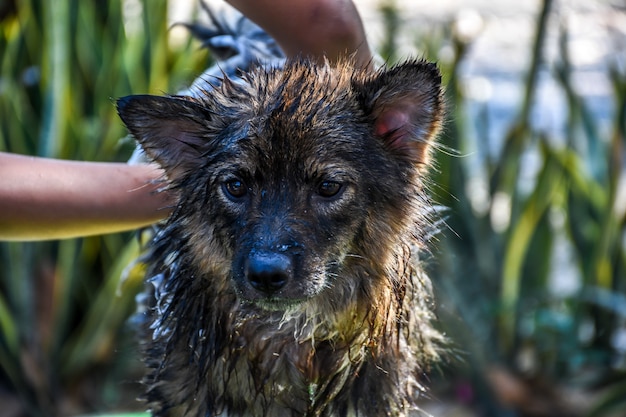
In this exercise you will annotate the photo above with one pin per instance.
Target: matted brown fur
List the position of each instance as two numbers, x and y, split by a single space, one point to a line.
286 280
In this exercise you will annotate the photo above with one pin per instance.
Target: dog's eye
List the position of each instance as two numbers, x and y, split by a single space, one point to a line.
329 188
235 188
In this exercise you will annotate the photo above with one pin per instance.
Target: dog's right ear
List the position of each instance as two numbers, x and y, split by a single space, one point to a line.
173 131
405 104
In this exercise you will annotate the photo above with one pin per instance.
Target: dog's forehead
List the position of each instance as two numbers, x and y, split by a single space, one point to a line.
300 121
297 151
292 123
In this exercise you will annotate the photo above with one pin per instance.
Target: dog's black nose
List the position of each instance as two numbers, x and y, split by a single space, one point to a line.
268 272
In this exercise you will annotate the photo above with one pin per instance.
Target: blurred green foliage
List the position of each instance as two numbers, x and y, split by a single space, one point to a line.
495 281
64 348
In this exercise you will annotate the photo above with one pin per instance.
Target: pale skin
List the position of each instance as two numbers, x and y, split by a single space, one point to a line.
44 198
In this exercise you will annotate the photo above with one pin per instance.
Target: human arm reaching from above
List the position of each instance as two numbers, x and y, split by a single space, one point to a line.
318 28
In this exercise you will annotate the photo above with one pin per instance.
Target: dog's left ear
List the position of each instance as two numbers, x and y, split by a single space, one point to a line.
173 131
405 103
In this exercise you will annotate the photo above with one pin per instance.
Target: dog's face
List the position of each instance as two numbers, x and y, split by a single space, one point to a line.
292 177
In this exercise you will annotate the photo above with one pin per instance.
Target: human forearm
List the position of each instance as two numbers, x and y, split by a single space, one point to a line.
53 199
316 28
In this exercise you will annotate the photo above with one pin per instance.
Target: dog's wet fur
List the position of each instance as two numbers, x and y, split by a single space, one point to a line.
286 281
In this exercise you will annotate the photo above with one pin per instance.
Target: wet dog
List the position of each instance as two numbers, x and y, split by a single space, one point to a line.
286 281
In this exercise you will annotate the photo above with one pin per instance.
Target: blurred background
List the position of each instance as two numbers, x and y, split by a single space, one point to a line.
529 269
